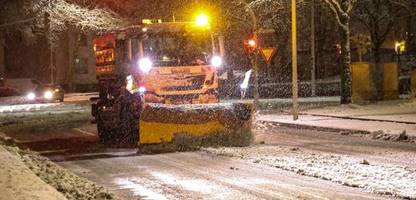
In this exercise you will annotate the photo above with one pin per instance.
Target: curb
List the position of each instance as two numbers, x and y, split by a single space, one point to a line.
285 105
316 128
374 135
361 119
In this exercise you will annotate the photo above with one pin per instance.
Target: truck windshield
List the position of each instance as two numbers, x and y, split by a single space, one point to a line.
178 49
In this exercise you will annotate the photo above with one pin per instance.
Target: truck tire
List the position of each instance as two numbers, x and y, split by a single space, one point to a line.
128 128
123 129
103 132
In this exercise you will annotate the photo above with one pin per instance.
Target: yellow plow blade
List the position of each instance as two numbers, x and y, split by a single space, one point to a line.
226 124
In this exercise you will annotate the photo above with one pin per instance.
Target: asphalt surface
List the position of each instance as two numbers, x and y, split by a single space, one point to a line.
201 175
197 175
194 175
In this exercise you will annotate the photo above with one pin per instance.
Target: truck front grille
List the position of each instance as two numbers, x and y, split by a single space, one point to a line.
196 83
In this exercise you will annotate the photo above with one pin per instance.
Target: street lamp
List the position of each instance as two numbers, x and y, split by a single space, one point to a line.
202 20
295 110
49 35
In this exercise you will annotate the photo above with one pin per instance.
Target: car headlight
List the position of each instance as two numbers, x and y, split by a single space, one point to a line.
145 64
216 61
48 95
31 96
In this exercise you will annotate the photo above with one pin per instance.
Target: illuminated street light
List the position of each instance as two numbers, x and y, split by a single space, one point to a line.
202 20
400 46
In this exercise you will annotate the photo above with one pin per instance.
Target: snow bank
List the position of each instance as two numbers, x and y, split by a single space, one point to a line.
70 185
18 182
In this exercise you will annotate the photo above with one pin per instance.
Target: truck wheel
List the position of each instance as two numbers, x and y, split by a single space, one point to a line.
104 134
123 132
128 129
129 126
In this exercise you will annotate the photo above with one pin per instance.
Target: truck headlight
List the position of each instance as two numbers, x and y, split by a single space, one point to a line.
145 64
142 90
48 95
216 61
31 96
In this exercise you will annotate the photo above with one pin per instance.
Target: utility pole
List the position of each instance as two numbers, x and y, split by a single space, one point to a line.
256 76
51 66
295 110
313 60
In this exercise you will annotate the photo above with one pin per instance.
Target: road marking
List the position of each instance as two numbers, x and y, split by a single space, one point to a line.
53 151
84 132
138 190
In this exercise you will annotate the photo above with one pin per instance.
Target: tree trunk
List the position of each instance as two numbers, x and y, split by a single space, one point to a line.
72 55
2 63
378 74
346 80
313 60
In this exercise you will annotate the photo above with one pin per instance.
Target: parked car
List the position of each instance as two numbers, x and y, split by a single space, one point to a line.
6 91
45 93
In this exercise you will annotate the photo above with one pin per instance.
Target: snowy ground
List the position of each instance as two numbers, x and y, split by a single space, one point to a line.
384 172
384 179
70 97
375 166
18 182
398 110
388 120
15 118
31 176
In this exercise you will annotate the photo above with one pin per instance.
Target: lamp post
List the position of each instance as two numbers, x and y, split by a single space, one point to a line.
295 110
51 49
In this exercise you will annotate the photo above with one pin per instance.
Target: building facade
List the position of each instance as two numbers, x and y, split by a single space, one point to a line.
72 59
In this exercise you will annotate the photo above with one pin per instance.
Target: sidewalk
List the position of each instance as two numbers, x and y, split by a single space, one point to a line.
386 120
17 182
284 103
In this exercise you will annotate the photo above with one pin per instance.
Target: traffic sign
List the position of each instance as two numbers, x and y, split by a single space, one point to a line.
268 54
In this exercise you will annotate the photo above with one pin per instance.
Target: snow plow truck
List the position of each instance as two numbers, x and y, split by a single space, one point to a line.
158 83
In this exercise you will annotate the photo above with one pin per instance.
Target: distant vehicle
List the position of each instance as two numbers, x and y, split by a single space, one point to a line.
6 91
45 93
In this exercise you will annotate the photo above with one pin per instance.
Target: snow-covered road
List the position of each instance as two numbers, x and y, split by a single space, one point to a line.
284 163
375 166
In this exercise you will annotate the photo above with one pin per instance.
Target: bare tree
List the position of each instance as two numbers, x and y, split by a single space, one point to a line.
342 11
58 15
379 18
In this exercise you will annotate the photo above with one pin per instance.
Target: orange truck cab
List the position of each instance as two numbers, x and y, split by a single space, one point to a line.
170 63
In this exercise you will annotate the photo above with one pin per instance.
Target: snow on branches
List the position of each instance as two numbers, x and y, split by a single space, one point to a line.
268 12
341 10
54 17
63 14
